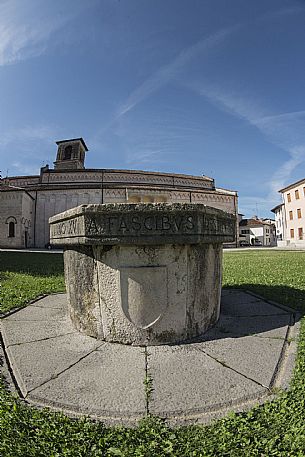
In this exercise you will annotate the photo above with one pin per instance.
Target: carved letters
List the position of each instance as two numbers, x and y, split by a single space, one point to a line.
65 228
135 224
132 224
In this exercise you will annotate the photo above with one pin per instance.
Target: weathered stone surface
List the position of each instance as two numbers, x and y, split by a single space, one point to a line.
31 331
238 303
82 288
253 357
204 287
186 382
271 326
144 274
189 383
108 383
56 355
37 313
143 293
159 223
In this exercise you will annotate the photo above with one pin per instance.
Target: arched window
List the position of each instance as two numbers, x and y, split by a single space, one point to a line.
11 222
67 153
11 229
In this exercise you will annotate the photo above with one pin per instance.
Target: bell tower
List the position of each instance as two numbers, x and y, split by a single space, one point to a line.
70 154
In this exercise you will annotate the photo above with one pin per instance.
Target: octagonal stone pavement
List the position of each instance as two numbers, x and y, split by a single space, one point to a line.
236 364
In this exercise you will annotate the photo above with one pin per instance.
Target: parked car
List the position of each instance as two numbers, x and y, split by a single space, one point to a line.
256 242
244 243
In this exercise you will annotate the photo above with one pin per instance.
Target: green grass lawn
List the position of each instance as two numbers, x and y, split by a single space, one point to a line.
273 429
25 276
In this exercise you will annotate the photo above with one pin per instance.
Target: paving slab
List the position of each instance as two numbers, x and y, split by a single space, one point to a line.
235 296
37 362
253 357
187 381
251 349
251 308
108 384
52 301
38 313
30 331
275 326
287 363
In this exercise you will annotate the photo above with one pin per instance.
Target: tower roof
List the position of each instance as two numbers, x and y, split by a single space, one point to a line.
73 139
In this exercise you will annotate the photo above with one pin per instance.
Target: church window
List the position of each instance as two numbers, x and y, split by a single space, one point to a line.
11 229
67 153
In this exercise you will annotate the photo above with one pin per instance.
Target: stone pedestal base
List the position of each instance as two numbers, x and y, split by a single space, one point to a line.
143 274
144 295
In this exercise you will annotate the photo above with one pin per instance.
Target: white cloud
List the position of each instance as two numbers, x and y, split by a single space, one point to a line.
144 156
166 73
251 206
285 130
233 103
143 153
283 12
27 26
27 134
21 168
30 146
282 174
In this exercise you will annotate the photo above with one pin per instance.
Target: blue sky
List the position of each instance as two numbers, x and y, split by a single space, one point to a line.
212 87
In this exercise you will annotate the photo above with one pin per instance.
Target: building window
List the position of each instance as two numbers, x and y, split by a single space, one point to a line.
245 232
288 198
291 233
304 191
11 226
11 229
299 213
67 153
300 233
297 196
291 215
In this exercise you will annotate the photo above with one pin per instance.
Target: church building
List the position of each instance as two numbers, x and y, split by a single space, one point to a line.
27 202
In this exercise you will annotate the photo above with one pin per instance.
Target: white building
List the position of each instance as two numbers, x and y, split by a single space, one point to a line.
27 202
280 223
257 232
293 214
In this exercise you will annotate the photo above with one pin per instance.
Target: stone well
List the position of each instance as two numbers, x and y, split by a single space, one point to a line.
143 274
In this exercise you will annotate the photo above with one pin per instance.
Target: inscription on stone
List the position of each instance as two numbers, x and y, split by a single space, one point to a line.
143 274
65 228
131 224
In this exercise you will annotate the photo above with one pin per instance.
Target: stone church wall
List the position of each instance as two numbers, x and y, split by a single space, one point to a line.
51 202
16 207
70 184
